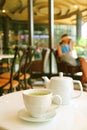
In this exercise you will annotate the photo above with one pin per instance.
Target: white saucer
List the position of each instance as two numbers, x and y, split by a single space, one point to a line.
24 115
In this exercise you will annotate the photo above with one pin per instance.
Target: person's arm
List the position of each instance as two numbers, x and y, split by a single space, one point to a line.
70 44
60 52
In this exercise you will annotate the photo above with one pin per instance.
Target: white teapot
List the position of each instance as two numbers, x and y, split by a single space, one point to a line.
63 86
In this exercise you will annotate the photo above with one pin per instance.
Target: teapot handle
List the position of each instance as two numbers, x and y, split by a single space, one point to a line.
80 86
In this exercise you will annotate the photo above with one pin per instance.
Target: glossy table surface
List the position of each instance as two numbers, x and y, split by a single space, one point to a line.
68 117
6 56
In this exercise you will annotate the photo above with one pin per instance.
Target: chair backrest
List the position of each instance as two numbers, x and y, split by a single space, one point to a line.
45 54
11 72
24 57
39 65
61 66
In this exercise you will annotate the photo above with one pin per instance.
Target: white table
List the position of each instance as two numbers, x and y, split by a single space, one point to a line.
6 56
68 117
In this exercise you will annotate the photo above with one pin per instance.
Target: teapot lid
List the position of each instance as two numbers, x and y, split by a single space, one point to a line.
60 74
61 77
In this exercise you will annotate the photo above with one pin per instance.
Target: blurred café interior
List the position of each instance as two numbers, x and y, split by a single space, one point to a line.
33 28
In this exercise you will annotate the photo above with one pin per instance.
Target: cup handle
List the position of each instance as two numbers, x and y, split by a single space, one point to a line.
80 86
57 100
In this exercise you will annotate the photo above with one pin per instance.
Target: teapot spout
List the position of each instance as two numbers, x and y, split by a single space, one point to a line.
46 81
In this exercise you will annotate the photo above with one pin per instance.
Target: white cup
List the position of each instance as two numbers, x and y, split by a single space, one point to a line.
38 101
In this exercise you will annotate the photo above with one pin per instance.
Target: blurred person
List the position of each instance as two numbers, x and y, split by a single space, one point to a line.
65 54
65 51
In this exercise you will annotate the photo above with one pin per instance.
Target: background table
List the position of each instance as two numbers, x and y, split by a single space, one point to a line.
6 56
68 117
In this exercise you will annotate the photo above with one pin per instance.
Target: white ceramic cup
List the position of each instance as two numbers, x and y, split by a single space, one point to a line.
38 101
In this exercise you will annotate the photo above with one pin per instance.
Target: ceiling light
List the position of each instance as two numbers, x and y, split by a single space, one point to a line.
75 6
3 11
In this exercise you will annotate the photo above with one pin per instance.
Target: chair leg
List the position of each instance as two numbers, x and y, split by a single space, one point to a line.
27 84
18 88
30 83
1 92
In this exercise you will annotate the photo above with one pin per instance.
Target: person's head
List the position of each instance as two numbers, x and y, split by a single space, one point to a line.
64 35
61 42
65 38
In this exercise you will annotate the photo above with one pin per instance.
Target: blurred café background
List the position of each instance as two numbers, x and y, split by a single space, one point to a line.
40 24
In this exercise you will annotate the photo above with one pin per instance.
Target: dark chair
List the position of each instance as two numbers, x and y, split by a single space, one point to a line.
23 56
39 65
5 63
8 84
25 67
65 67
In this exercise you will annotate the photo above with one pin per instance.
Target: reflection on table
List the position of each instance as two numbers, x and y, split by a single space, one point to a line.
6 56
68 117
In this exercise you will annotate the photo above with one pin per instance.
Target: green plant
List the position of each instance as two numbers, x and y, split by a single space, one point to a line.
82 42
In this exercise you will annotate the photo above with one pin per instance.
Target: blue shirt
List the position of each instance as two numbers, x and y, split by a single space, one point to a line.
65 48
